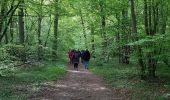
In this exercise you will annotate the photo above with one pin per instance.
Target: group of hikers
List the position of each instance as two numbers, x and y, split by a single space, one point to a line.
76 55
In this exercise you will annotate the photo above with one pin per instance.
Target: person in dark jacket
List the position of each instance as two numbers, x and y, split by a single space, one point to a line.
82 55
76 58
86 58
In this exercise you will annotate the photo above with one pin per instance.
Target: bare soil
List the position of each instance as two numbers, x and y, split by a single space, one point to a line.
78 84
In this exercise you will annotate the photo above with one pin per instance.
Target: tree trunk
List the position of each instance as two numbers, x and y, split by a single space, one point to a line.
92 41
21 23
11 31
48 33
10 12
2 18
152 29
134 31
146 16
102 5
163 25
125 35
40 54
56 19
150 17
39 29
118 38
21 28
6 35
83 27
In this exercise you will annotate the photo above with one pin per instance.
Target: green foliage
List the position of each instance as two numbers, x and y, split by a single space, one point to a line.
40 74
117 30
126 77
27 81
158 44
16 52
4 56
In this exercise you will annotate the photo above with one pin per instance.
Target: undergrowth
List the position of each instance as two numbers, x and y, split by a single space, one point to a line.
127 77
26 80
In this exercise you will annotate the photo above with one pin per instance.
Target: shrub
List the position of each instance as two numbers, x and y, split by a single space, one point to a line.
4 56
16 52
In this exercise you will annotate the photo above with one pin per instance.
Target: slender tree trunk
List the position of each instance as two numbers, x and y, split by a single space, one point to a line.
163 26
21 28
146 16
150 16
152 29
102 5
11 31
40 54
6 35
21 23
163 20
134 31
5 24
39 29
83 27
56 19
125 37
12 11
118 38
48 33
162 31
39 38
92 41
151 60
2 18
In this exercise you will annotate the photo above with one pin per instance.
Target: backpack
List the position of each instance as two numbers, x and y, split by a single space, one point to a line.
76 55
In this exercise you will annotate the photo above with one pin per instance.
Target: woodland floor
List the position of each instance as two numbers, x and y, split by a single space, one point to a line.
77 85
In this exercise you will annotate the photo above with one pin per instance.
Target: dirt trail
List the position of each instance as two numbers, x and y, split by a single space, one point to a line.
76 85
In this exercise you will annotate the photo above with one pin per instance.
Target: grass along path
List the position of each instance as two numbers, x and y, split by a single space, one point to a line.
126 78
26 81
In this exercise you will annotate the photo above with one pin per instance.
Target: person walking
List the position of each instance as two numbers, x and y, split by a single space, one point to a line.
70 55
82 55
75 58
86 59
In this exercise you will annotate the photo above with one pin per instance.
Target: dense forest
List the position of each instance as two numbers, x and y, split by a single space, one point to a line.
122 32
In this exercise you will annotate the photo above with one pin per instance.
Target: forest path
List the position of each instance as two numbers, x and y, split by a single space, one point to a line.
76 85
